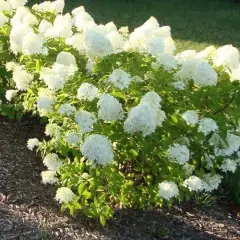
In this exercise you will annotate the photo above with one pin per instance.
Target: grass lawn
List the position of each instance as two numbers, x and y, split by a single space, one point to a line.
195 23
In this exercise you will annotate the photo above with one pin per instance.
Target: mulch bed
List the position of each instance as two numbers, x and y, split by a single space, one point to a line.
28 209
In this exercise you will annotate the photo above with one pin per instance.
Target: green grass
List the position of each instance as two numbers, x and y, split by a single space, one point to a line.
195 24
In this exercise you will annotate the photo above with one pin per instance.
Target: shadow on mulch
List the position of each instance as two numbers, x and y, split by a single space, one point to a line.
28 209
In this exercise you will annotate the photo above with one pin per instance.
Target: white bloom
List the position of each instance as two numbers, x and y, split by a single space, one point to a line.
52 130
49 177
225 148
82 19
124 30
3 19
207 125
32 143
24 16
169 46
191 117
66 59
233 142
207 53
151 98
117 41
62 27
44 26
178 152
47 6
120 79
160 117
52 162
10 66
72 138
165 60
235 74
185 56
33 44
56 77
77 10
67 109
109 108
211 182
197 70
10 94
141 118
137 79
22 78
193 183
17 3
90 66
228 165
87 92
17 34
85 120
179 85
96 43
97 148
64 195
168 190
227 56
58 6
188 169
5 6
45 100
76 41
205 75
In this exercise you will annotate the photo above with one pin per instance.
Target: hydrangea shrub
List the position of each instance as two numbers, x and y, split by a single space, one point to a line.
130 123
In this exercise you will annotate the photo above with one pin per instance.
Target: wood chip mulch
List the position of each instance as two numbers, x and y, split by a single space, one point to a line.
28 209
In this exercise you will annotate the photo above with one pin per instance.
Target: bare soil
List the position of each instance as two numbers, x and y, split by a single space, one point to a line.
28 209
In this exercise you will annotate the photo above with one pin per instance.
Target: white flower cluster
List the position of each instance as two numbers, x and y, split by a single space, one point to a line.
207 125
197 70
85 120
228 165
168 190
191 117
52 130
146 116
52 162
109 108
120 79
3 19
67 109
32 143
73 138
193 183
98 149
49 177
151 38
64 195
22 78
87 92
22 36
64 67
45 100
211 183
225 148
10 94
179 153
56 6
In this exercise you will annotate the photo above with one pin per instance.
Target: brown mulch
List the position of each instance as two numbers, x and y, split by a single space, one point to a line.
28 210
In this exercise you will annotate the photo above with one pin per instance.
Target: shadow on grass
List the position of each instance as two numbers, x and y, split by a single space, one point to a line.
28 209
